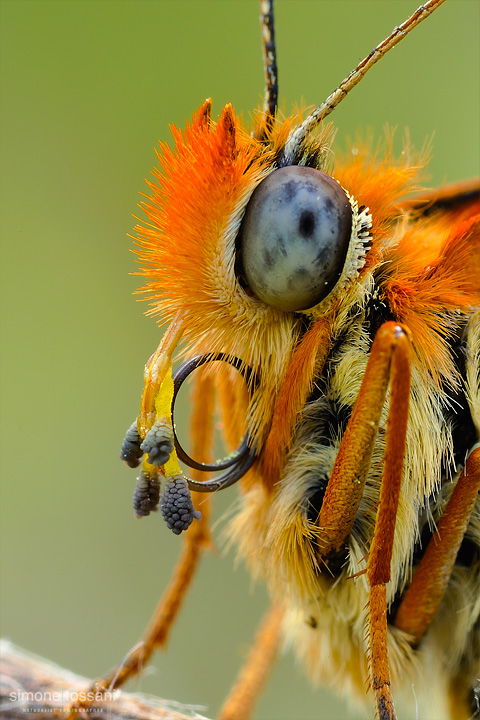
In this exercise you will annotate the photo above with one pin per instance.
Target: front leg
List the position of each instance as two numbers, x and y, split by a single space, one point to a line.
195 541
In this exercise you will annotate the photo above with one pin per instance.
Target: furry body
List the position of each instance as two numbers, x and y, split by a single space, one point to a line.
418 271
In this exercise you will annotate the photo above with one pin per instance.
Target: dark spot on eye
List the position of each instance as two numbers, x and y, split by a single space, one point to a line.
329 205
321 257
289 191
268 259
306 225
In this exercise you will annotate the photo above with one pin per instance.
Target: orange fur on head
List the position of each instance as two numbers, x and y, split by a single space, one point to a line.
378 184
187 253
198 186
187 248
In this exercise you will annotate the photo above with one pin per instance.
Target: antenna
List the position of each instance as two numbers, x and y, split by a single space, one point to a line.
298 134
269 60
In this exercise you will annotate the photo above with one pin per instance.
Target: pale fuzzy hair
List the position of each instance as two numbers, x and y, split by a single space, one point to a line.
472 368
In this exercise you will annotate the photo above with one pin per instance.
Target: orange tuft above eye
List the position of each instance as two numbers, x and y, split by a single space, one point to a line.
294 238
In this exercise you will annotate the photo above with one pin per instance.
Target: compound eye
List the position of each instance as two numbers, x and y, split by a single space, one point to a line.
294 237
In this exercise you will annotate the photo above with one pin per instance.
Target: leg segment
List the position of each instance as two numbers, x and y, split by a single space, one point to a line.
240 703
195 540
347 481
389 362
380 556
423 597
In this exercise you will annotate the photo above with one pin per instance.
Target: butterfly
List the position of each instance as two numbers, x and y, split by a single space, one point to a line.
336 311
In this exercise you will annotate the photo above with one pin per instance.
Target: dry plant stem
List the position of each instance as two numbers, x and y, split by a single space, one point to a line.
423 597
298 135
162 621
22 672
240 704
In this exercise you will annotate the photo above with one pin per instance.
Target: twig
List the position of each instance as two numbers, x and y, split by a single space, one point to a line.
32 688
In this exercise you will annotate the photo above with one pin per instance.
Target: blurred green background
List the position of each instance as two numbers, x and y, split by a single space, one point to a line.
88 87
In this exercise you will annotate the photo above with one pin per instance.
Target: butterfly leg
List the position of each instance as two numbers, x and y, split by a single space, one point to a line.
195 540
380 555
241 701
389 362
347 480
425 593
